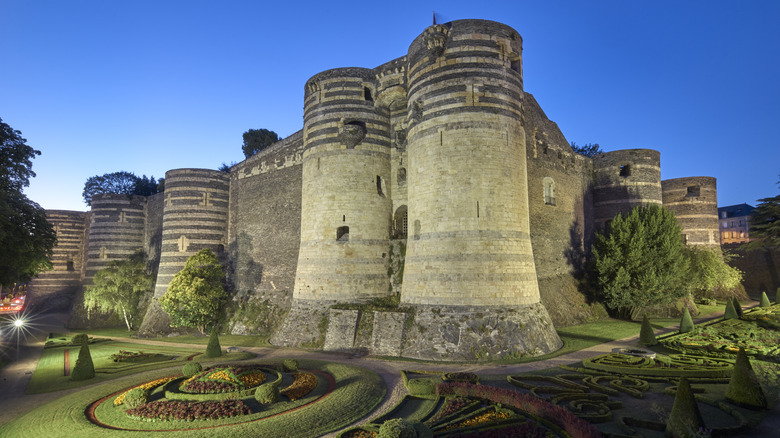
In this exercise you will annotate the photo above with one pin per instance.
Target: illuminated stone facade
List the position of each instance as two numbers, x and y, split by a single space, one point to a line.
433 179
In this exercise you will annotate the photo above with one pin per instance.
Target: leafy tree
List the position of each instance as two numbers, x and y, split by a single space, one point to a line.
26 237
711 276
589 150
196 296
120 183
765 224
639 260
119 288
255 140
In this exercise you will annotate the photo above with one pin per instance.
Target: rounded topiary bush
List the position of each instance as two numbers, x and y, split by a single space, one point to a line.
397 428
290 365
79 339
267 393
136 397
191 368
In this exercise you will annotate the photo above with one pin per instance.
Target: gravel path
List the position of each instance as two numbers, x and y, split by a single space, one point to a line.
15 376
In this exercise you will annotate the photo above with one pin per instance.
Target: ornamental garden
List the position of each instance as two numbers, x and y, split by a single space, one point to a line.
718 378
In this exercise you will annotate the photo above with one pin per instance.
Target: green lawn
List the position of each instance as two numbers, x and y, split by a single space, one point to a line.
50 372
226 340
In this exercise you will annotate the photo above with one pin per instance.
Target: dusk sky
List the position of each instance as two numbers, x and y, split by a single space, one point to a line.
147 86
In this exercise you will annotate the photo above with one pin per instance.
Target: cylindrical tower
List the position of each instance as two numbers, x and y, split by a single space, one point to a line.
694 201
346 208
195 216
116 231
57 288
468 241
469 265
624 179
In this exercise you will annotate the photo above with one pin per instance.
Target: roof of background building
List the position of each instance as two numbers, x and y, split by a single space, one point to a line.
736 210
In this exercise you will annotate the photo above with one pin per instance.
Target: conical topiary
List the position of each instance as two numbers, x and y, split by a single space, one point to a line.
737 307
744 389
686 323
646 334
777 296
84 368
685 418
730 312
764 300
213 349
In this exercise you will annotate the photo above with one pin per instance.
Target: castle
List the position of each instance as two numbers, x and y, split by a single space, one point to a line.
434 177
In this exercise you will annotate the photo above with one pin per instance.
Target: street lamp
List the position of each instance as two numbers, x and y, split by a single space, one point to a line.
18 324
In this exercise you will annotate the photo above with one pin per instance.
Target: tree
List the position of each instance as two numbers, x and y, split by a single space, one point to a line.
765 224
639 260
589 150
120 287
119 183
26 237
711 276
255 140
196 296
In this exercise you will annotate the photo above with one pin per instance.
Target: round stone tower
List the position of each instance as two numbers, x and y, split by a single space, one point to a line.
469 253
116 231
694 200
346 208
624 179
195 216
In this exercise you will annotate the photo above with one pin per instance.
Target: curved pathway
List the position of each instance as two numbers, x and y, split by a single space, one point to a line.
15 376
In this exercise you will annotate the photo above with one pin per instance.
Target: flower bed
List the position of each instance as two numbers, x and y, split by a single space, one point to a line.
188 411
303 384
223 379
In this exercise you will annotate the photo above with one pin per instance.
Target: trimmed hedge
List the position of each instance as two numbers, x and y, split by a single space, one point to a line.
731 311
685 417
84 368
290 365
764 300
267 393
686 322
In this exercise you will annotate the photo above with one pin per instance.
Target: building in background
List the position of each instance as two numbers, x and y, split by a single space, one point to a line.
735 223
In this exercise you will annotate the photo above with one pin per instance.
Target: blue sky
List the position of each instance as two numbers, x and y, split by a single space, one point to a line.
148 86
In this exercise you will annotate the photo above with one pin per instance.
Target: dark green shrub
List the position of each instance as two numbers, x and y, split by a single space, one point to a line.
397 428
777 296
686 323
423 431
213 349
84 368
737 307
731 312
267 393
744 389
646 334
191 368
290 365
423 388
685 417
764 300
136 397
79 339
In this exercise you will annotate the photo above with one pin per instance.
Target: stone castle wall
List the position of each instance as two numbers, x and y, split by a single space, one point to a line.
433 179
